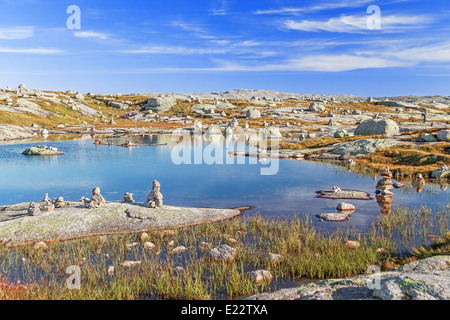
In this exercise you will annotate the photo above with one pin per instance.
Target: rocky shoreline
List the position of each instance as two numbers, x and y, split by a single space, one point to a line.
427 279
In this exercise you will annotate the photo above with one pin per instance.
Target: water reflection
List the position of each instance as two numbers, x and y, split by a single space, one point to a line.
419 182
385 202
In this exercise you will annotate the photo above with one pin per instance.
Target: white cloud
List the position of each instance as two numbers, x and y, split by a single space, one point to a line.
91 34
345 62
16 33
358 24
221 8
189 27
318 7
429 53
30 50
176 50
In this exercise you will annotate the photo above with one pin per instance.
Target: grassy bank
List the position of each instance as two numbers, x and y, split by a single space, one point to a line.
306 254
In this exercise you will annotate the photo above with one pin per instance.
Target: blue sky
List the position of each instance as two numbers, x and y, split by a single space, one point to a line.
323 46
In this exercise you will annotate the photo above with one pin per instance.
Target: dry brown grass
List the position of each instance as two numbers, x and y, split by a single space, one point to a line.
409 159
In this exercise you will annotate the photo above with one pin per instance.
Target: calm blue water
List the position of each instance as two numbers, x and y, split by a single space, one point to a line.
118 170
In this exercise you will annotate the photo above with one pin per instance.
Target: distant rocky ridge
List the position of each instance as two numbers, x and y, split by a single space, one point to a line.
270 95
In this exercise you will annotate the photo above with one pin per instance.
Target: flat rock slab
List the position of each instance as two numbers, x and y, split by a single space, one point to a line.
75 221
344 194
427 279
336 217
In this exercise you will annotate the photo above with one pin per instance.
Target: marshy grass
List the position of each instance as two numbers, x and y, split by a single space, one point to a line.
409 228
307 255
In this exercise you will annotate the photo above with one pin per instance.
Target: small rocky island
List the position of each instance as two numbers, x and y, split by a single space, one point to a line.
42 151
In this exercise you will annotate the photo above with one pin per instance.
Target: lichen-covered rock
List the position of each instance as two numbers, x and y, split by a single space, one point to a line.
341 133
75 221
223 253
41 151
428 137
443 135
371 127
427 279
363 146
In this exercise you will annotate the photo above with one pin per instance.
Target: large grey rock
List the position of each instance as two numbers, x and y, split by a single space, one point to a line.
253 114
79 96
160 104
371 127
341 133
271 132
119 105
443 135
427 279
315 107
363 146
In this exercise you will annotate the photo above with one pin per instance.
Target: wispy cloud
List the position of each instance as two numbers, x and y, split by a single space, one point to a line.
324 5
221 8
176 50
16 33
91 34
189 27
358 23
30 50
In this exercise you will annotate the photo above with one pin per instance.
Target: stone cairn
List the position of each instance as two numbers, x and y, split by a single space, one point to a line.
46 204
96 200
385 183
128 197
383 195
59 202
154 198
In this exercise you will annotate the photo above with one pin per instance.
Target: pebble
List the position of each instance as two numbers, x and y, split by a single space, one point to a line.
259 276
149 245
128 263
40 245
352 244
179 249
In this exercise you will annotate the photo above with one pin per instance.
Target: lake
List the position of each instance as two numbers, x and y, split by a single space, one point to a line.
116 170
